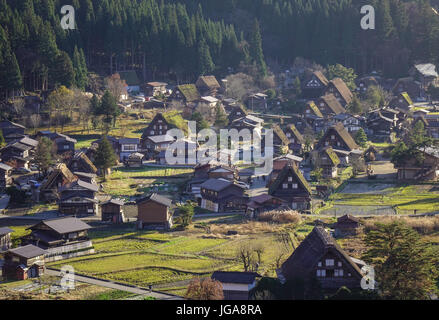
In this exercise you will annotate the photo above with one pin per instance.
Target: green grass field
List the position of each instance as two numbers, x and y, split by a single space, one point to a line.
424 198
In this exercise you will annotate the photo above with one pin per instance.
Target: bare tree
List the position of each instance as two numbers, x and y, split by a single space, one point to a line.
205 289
34 121
116 86
240 85
18 106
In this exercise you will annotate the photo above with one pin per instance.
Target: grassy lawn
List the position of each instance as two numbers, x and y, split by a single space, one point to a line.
424 198
137 181
154 258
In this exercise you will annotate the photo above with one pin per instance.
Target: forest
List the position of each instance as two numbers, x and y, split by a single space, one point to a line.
177 40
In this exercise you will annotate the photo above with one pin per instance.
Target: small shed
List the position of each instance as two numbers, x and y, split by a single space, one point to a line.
135 160
347 225
5 238
112 211
236 285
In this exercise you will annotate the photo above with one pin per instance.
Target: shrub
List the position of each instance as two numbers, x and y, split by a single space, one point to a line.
286 216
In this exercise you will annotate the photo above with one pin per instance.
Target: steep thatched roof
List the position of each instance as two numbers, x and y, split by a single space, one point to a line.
314 109
81 156
190 92
333 104
331 157
208 82
307 255
280 134
343 89
296 133
61 169
292 169
341 131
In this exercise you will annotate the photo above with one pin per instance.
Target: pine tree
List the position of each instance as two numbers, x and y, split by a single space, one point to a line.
361 138
44 154
206 64
109 108
404 264
105 156
256 52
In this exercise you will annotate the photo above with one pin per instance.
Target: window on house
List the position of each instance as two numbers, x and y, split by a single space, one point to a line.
285 185
290 179
332 137
339 264
326 143
329 262
295 186
338 273
319 264
321 273
152 132
66 146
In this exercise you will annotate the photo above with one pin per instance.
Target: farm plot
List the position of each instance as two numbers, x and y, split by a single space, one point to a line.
390 198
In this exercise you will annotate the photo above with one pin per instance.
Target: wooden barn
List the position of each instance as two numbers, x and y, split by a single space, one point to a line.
154 212
113 211
24 263
347 225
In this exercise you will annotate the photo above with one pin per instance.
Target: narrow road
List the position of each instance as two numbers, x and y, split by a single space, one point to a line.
117 286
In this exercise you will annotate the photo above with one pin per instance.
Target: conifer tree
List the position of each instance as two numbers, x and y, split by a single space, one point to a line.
105 156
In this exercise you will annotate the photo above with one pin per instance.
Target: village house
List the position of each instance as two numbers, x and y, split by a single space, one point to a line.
352 123
426 74
63 142
247 122
61 238
23 263
311 109
113 211
364 83
236 113
29 142
263 203
236 285
291 186
280 141
131 79
87 177
78 199
426 170
154 212
257 100
230 104
320 257
329 105
154 89
410 87
279 163
58 233
157 127
221 195
186 95
340 90
59 177
338 138
79 162
401 102
296 140
208 86
380 127
155 104
11 131
16 155
5 175
431 124
5 238
328 160
314 85
347 225
155 144
128 146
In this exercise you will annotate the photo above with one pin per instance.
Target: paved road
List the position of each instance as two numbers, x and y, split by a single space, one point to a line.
117 286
